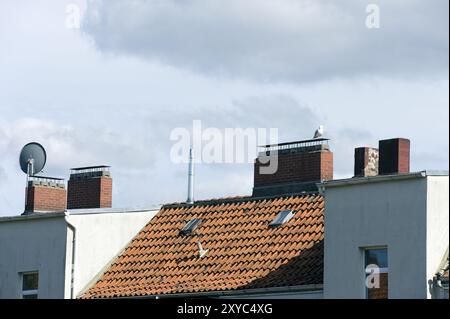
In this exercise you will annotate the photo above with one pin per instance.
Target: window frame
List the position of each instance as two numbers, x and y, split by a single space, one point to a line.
383 270
282 218
30 292
190 226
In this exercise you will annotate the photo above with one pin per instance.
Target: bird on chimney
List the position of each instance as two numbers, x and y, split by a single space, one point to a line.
319 132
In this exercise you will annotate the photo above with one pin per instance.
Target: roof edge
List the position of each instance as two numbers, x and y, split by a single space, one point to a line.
237 292
93 211
249 198
38 215
77 212
372 179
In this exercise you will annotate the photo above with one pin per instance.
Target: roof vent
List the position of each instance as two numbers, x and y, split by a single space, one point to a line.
282 218
190 226
201 251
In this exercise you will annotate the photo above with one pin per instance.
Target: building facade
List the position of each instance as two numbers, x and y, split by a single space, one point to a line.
403 217
60 253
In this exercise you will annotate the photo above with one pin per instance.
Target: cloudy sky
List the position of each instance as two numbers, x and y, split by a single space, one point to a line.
111 91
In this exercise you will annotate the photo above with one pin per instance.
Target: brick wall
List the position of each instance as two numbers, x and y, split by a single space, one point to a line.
297 167
394 156
89 192
46 199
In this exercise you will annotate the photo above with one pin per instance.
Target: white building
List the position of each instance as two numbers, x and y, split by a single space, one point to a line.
403 219
43 253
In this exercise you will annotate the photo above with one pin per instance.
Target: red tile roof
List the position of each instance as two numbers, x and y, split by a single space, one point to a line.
243 251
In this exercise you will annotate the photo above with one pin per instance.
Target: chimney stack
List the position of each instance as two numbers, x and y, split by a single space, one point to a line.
90 187
44 195
366 161
394 156
300 165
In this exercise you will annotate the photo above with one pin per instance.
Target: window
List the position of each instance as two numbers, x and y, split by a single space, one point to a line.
376 268
282 217
190 226
30 283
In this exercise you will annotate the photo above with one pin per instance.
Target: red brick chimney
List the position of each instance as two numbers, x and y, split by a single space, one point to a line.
300 165
366 161
394 156
45 194
89 187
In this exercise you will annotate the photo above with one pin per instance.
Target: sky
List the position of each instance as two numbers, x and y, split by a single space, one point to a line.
111 91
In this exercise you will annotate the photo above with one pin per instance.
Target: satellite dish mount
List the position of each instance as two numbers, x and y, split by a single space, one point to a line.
32 161
30 167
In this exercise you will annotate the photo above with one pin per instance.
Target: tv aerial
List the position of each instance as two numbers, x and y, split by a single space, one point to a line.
32 159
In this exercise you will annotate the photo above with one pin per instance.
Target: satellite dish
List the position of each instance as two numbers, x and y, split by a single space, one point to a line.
32 158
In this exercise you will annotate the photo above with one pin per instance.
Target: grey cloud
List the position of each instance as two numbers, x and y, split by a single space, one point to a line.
253 112
282 40
138 148
281 111
71 146
68 146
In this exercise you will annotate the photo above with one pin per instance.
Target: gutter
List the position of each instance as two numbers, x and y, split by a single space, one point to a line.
73 255
31 217
88 211
232 293
365 180
97 211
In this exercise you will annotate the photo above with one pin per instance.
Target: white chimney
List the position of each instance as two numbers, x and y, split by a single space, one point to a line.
190 198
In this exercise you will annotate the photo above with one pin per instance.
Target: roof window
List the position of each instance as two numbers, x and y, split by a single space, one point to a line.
282 218
190 226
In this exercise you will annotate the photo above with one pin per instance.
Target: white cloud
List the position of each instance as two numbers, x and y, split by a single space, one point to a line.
142 169
66 146
277 40
117 106
2 175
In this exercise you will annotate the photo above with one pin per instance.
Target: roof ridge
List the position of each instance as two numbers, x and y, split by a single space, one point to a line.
237 199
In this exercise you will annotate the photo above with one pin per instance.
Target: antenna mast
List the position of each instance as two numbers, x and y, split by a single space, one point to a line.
190 198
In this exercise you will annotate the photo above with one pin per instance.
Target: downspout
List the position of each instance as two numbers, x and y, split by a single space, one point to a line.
72 263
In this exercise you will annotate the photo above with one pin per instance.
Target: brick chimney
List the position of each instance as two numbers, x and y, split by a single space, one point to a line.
300 165
366 161
89 187
45 194
394 156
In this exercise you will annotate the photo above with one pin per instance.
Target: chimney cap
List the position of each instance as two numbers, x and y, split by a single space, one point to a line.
314 140
46 178
89 167
46 181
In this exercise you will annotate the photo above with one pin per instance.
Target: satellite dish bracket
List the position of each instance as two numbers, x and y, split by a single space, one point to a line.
30 169
32 160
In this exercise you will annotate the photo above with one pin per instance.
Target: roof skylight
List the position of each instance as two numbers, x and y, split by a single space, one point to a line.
282 218
190 226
